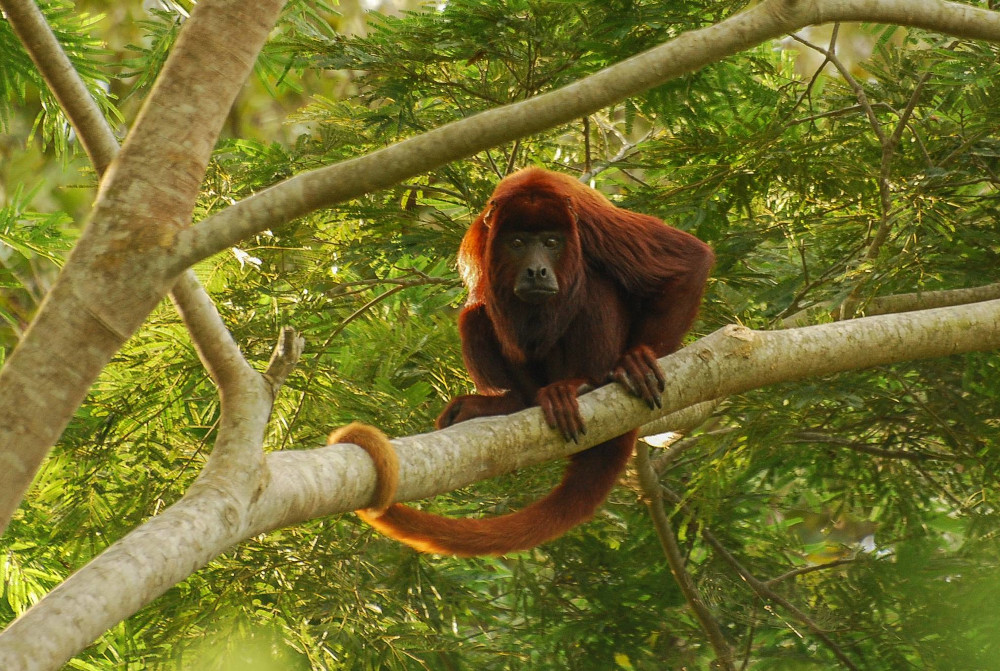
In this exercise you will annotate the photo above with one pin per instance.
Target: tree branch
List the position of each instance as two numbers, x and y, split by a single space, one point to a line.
217 350
216 347
805 570
922 300
118 270
732 360
681 421
898 303
136 244
284 358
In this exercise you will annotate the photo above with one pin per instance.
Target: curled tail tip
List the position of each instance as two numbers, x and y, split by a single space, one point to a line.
383 456
357 433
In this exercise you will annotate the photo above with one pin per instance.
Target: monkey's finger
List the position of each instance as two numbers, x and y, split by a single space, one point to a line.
635 375
649 359
550 415
621 376
647 375
640 381
652 396
572 420
643 367
653 385
562 411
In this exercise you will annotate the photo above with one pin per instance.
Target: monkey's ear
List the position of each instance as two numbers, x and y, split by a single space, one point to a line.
572 211
488 214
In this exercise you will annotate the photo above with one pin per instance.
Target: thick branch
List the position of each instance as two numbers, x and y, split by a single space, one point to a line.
122 267
216 347
215 344
730 361
119 269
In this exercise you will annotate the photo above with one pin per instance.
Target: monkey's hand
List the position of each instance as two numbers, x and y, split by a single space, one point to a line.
471 406
640 373
562 410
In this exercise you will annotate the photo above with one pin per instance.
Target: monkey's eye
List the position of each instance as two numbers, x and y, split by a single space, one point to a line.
516 243
552 242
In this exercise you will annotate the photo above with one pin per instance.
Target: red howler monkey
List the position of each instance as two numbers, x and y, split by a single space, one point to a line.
565 290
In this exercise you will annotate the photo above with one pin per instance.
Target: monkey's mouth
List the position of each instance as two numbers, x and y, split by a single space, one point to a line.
535 295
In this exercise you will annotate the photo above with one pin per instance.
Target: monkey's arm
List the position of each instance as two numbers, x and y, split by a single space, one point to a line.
664 316
493 375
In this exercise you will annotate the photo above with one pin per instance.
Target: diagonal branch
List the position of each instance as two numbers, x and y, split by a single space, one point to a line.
219 353
118 270
213 340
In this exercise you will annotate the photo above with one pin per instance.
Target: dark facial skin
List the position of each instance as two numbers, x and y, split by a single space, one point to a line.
536 256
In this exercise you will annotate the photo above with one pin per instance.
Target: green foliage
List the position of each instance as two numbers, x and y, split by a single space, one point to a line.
21 84
892 469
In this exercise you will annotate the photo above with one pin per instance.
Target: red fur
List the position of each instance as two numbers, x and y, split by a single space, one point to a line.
629 289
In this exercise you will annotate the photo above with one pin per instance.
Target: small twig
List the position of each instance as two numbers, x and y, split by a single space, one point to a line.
512 159
859 91
803 570
942 489
401 284
748 646
905 455
285 356
843 111
434 189
888 144
326 343
816 75
945 427
415 278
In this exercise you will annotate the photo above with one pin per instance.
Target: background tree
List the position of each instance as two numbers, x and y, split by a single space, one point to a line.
839 519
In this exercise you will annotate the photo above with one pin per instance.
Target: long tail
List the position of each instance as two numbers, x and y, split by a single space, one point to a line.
588 480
